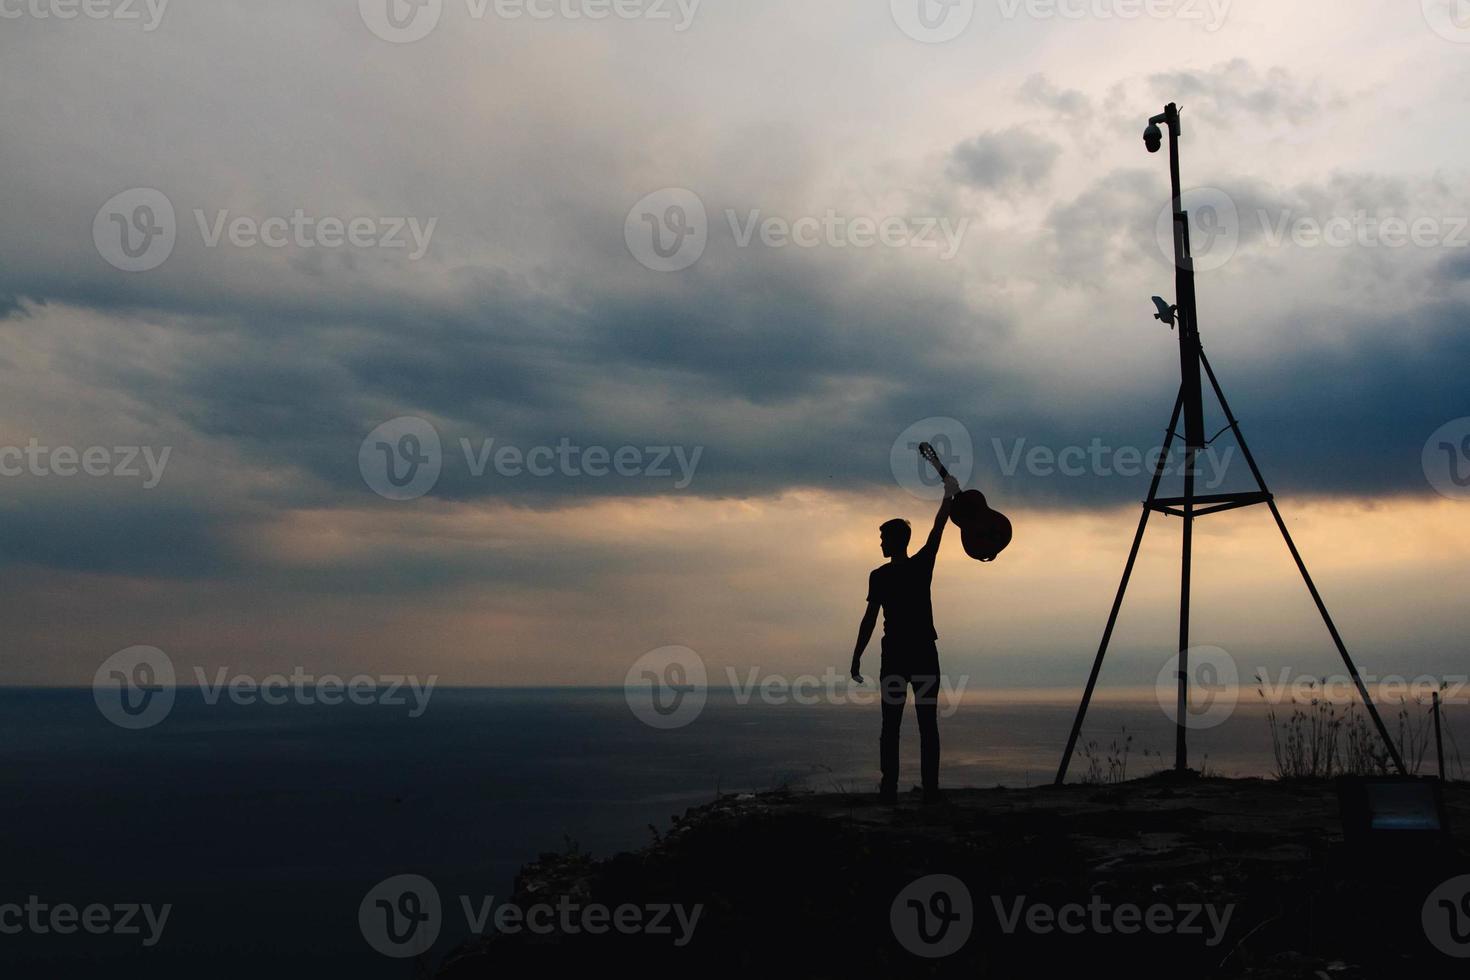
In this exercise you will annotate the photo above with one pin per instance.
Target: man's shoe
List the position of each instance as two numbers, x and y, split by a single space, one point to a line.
933 797
887 794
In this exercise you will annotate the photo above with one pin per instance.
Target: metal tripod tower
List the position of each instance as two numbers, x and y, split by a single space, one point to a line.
1190 404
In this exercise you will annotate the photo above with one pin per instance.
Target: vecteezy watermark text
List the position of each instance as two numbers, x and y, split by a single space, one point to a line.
1218 229
937 21
667 688
1285 688
568 459
147 13
1213 681
1099 459
669 230
37 460
1100 917
934 916
299 687
136 688
137 230
1210 14
406 21
403 915
39 918
305 231
832 230
403 458
833 688
1363 230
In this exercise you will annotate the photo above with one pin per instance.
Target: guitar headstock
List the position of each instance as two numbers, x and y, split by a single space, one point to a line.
927 451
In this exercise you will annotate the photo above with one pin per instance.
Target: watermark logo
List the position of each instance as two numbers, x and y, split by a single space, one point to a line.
1450 19
134 688
1214 228
667 688
668 230
933 916
1446 917
136 230
401 916
402 458
932 21
401 21
1214 687
1446 459
952 444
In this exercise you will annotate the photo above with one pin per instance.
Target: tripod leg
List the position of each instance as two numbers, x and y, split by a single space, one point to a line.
1181 714
1301 565
1388 741
1102 649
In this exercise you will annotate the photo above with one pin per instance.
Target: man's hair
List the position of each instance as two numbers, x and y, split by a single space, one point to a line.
898 529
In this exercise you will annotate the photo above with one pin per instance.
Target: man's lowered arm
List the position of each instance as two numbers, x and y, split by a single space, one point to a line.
865 633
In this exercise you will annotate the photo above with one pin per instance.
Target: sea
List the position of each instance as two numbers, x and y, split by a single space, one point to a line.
262 828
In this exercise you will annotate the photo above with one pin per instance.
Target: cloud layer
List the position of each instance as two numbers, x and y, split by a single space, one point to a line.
791 368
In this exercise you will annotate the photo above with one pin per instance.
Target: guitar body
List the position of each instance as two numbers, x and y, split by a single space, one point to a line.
984 532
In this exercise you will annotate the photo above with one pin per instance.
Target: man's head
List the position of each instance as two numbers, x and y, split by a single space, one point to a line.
894 536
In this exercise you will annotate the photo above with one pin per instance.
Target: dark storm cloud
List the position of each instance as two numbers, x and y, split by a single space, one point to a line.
1349 418
1070 103
1237 90
124 534
1003 160
1454 268
774 354
1328 419
1345 420
788 370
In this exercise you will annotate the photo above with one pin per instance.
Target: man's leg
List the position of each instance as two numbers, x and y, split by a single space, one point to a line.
926 706
893 691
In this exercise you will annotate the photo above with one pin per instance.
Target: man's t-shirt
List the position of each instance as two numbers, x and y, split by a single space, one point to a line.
902 587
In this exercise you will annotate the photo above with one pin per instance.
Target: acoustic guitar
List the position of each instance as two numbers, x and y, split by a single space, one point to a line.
984 532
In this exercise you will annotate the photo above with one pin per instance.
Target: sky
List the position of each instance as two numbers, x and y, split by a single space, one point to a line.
647 302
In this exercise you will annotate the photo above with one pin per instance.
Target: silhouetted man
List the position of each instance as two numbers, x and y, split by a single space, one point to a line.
910 657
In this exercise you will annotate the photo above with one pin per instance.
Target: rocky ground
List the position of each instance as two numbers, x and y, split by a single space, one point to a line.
1158 877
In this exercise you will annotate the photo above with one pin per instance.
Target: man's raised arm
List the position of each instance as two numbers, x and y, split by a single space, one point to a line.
951 487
